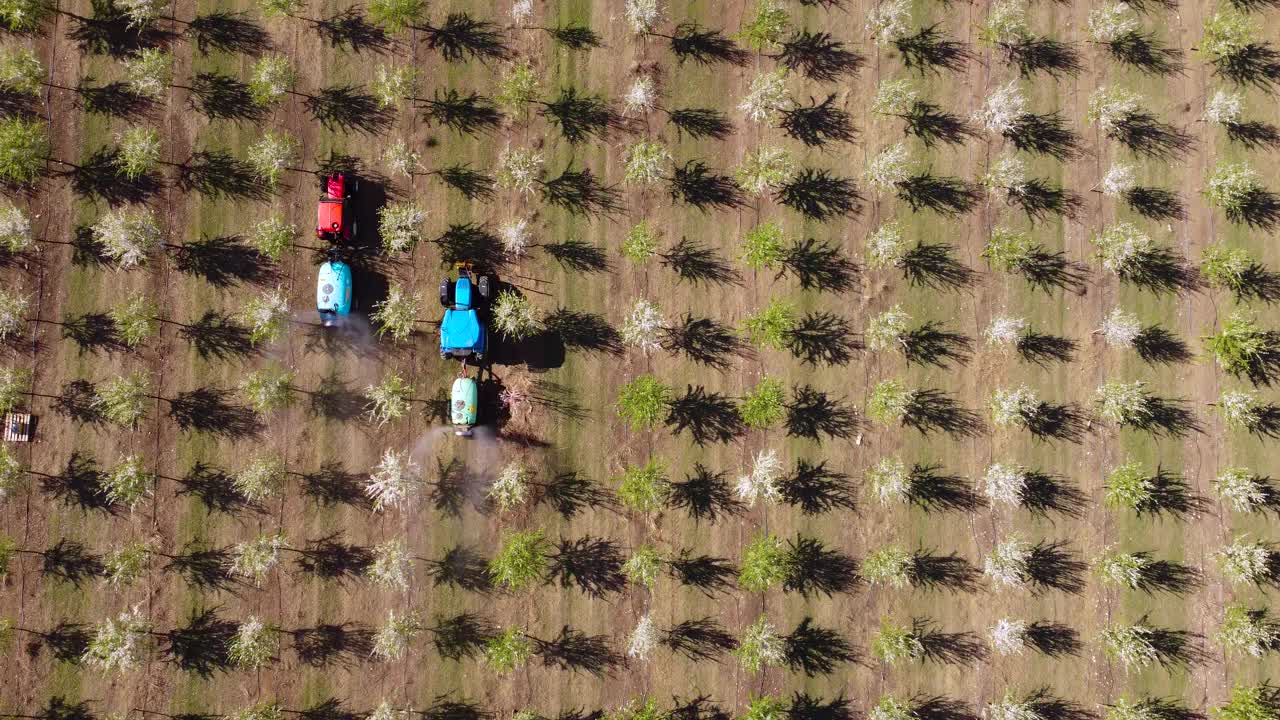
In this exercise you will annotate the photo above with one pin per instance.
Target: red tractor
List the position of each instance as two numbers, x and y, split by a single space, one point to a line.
335 221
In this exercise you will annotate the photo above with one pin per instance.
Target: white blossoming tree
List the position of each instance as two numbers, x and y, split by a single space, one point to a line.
395 481
261 479
519 170
514 316
643 639
149 72
396 315
511 488
128 483
1009 563
762 483
643 326
266 316
15 229
759 647
118 644
392 639
400 225
271 155
765 169
253 645
391 565
766 97
254 559
128 235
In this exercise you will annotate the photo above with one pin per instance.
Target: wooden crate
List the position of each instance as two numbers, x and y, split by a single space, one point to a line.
17 427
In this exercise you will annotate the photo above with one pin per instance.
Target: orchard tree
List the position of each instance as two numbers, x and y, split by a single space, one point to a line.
644 566
644 488
507 651
123 565
1245 561
643 402
263 478
1115 25
395 481
128 483
21 72
1016 407
267 316
141 13
1239 192
1248 631
521 560
641 243
392 639
643 162
514 316
254 559
119 644
1009 636
396 15
519 170
280 8
13 474
1135 258
641 98
400 225
643 639
139 151
150 72
763 30
402 159
128 235
1230 43
135 319
122 400
15 385
764 563
393 83
13 314
1120 329
765 170
1243 349
517 88
1250 702
1234 269
891 566
894 643
268 389
764 406
388 399
644 326
271 155
25 16
764 480
1009 563
24 146
771 326
511 488
391 565
253 645
888 22
1244 491
397 314
764 247
271 237
15 229
1121 182
766 97
643 15
272 78
760 647
514 235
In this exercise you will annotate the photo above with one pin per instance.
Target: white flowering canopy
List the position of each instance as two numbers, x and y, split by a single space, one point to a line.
394 482
762 482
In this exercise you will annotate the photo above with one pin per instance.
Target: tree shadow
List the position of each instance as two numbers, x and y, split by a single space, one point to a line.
698 640
114 99
1142 133
110 32
819 195
933 490
329 643
462 37
1254 134
817 489
1052 567
1038 199
1171 495
1146 53
207 410
329 558
695 262
558 399
705 495
592 564
1156 345
223 97
580 193
1049 421
579 117
816 650
1167 576
1043 54
814 569
79 484
329 708
578 256
1259 208
959 648
223 261
78 401
584 331
1255 64
217 337
1043 493
821 337
817 123
941 707
349 30
703 340
696 184
67 642
576 651
691 41
214 487
930 345
819 56
472 184
931 265
450 490
930 49
1050 707
202 567
200 646
806 707
942 194
461 567
708 417
1052 639
1045 134
70 561
331 484
1174 648
229 32
217 174
699 123
570 492
461 636
334 399
1049 271
812 414
99 177
444 708
574 37
1155 203
707 573
933 410
92 332
820 266
58 708
942 572
469 242
345 108
471 114
1160 270
697 708
929 122
1169 417
1174 709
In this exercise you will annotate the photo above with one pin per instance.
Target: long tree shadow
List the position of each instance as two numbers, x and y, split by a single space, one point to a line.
931 265
700 123
1254 134
579 117
70 561
816 488
202 567
110 32
66 642
1052 639
945 195
1158 346
578 256
462 37
332 643
469 242
349 30
822 337
569 493
1046 134
79 484
1166 576
816 650
942 572
223 261
941 707
579 192
806 707
332 484
820 195
932 50
445 708
78 401
114 99
329 708
223 97
330 558
812 414
929 344
471 114
334 399
200 646
704 340
216 336
1052 567
1051 707
1162 271
1050 421
691 41
1142 133
92 332
1170 495
345 108
1043 493
706 495
59 708
820 265
933 490
461 636
228 32
217 174
580 330
819 56
99 177
697 263
215 490
592 564
698 640
814 569
1042 54
461 567
707 573
207 410
1156 203
696 708
1146 53
958 648
932 410
576 651
708 417
696 184
817 123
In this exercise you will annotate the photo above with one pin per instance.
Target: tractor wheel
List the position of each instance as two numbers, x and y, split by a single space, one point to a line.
355 187
444 293
484 286
355 229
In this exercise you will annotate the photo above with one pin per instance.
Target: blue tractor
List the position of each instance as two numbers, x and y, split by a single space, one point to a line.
462 334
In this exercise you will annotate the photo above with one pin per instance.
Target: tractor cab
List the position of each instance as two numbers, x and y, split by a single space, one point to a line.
464 400
333 291
335 221
462 334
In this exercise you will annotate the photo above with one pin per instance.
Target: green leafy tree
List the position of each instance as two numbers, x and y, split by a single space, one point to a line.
391 565
889 402
766 707
272 78
135 319
644 566
1250 702
894 643
643 162
764 406
126 564
24 16
280 8
507 651
393 83
1248 631
261 479
24 145
1244 349
15 384
122 400
643 402
764 29
644 488
764 246
765 563
520 561
890 566
392 639
13 475
760 646
21 72
150 72
1226 267
397 314
273 236
396 15
517 88
641 243
271 155
253 645
767 168
139 151
268 389
771 326
267 315
128 483
514 316
13 314
254 559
